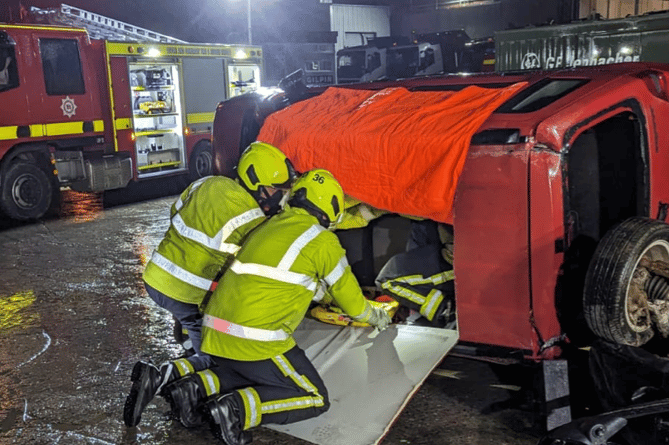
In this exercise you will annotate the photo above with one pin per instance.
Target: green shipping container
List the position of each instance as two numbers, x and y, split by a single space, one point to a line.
586 43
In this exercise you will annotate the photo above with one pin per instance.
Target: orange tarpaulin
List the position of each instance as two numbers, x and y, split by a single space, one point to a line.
393 149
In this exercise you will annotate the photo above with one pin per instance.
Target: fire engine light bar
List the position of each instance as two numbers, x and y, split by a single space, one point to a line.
241 54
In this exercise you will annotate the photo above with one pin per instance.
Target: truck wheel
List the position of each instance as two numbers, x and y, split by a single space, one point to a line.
620 283
26 192
200 164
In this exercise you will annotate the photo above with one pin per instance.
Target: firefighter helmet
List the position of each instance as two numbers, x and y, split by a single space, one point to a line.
320 193
260 166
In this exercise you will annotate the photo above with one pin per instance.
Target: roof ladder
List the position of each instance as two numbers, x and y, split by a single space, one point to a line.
99 26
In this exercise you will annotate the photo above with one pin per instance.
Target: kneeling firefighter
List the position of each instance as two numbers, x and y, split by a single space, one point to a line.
208 224
261 376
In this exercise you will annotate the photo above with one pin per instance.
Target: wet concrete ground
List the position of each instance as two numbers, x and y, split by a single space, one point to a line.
74 318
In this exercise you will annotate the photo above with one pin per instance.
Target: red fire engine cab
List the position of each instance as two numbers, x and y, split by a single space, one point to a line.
95 114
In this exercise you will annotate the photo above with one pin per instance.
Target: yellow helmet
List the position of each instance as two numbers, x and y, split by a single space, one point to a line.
262 165
319 192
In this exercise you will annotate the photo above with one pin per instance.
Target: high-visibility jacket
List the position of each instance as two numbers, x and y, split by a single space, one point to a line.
264 295
209 221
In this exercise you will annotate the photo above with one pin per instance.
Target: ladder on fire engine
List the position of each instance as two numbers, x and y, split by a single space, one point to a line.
98 26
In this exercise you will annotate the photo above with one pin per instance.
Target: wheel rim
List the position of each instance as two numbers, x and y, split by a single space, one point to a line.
26 191
637 312
203 163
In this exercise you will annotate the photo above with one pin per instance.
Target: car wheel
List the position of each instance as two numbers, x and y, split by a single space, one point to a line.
201 161
625 282
26 192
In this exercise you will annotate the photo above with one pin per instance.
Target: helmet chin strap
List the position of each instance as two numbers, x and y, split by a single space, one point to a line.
284 200
333 224
299 200
271 205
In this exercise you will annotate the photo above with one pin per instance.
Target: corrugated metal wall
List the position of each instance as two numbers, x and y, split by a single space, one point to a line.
482 20
616 9
366 21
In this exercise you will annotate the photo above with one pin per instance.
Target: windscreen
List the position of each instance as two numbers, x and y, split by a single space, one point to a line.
540 95
62 67
9 74
351 65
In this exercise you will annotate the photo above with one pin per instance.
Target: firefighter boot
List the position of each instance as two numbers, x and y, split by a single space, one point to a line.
184 396
225 420
147 380
444 315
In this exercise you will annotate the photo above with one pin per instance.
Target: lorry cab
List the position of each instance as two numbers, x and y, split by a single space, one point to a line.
365 63
360 63
62 75
419 59
432 53
51 79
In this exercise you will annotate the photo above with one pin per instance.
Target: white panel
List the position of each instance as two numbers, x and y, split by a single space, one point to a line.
357 18
370 377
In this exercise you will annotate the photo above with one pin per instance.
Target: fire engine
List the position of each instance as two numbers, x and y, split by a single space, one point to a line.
94 114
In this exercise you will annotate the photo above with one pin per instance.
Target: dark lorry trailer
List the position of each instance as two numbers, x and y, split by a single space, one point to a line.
559 216
587 43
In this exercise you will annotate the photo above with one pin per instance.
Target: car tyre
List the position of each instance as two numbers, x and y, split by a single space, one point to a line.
615 302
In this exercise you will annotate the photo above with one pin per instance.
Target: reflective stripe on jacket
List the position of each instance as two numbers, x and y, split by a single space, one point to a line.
208 224
271 283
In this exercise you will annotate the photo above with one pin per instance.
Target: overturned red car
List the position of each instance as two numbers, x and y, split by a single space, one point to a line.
559 207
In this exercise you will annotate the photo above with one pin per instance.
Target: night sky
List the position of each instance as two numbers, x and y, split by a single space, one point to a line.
202 21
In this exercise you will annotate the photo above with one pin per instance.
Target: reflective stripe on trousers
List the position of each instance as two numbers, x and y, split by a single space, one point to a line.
278 402
429 303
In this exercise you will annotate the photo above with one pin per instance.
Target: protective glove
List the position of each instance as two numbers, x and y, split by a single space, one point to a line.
380 318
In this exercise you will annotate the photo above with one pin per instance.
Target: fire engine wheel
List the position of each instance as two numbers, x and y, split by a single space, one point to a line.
201 161
26 192
626 293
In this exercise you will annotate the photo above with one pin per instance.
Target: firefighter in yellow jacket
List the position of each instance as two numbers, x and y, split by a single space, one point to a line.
208 224
261 375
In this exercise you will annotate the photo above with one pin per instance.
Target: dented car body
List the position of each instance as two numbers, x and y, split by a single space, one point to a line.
561 200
